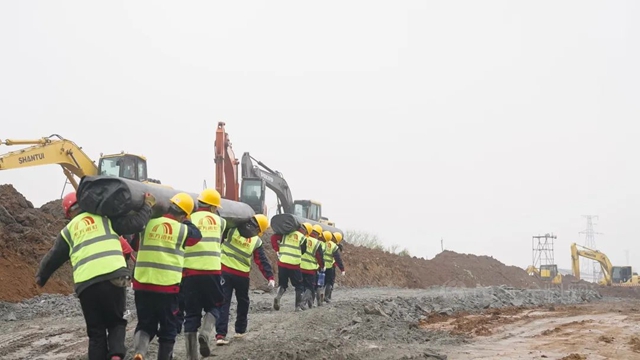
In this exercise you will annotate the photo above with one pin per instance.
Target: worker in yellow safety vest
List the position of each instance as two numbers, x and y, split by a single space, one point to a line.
202 275
332 258
157 276
311 262
100 274
289 250
240 244
324 239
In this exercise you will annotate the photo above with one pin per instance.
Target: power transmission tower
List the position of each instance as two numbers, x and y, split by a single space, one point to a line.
590 268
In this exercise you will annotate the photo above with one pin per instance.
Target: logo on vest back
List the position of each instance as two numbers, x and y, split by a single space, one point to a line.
162 232
84 226
329 245
245 244
208 223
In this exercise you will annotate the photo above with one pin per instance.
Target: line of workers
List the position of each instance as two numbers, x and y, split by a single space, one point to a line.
188 262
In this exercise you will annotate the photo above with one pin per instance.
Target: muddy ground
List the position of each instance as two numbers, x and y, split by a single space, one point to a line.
371 323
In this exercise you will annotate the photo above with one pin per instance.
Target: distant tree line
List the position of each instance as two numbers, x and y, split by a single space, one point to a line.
372 241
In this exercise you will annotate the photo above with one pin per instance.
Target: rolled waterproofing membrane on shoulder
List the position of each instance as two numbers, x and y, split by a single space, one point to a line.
286 223
112 197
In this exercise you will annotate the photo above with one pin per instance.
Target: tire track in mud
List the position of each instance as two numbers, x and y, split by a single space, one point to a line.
36 343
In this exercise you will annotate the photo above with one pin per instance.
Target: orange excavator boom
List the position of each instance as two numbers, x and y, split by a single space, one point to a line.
226 166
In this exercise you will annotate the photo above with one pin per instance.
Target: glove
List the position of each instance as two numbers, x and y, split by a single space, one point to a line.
150 199
343 273
272 283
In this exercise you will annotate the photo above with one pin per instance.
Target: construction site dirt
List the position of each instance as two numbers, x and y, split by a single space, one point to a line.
454 306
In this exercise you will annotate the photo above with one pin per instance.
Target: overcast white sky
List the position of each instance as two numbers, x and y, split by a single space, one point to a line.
482 122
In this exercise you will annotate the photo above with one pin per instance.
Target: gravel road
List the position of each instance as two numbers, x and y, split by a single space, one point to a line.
365 323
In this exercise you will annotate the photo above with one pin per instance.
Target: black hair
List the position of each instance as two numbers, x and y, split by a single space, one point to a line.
174 210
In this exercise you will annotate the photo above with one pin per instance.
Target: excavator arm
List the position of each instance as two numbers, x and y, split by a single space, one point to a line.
601 258
272 179
47 151
226 165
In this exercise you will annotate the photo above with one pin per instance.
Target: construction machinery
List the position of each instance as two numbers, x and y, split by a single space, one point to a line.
226 165
546 273
612 275
74 162
255 178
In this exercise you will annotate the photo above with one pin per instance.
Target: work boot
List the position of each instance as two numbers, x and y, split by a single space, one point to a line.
308 298
191 345
327 294
204 337
299 301
141 342
276 300
165 351
320 296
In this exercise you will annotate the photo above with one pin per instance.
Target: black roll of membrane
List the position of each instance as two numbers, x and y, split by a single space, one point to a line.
113 197
286 223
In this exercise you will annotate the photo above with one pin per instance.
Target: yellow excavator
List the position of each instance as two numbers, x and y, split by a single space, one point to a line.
74 162
546 273
612 275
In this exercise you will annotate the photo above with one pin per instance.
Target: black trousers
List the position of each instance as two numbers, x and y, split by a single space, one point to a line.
157 315
240 285
201 293
329 277
285 275
103 305
309 281
181 309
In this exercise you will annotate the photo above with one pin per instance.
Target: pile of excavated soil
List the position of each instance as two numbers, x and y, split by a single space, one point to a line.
26 235
371 267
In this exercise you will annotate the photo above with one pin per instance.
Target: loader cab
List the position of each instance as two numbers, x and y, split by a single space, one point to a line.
308 209
252 193
132 167
548 272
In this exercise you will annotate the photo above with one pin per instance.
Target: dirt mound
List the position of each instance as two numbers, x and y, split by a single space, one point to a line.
371 267
26 234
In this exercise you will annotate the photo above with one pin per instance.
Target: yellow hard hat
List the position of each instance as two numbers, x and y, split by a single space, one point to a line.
210 197
263 222
327 235
337 236
317 228
184 201
308 228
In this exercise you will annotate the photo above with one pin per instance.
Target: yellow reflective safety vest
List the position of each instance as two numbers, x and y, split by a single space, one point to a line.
308 261
160 255
205 255
329 249
237 251
290 252
94 248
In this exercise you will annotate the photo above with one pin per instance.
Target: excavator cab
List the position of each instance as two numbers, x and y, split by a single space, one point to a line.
128 166
621 274
252 193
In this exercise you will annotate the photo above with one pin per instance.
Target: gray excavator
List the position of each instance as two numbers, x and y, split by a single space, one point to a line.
257 177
